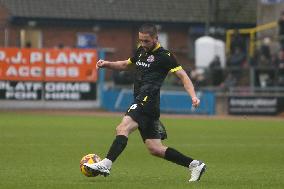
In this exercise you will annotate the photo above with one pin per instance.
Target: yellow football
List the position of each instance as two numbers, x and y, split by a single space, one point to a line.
90 158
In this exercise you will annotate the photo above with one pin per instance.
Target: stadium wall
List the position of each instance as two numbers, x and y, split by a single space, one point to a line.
118 41
3 23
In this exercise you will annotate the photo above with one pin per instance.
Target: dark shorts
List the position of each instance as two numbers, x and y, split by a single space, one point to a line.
148 126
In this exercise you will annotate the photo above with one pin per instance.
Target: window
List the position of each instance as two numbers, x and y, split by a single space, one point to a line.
163 39
31 38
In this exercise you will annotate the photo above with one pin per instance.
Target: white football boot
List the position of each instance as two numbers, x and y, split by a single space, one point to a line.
197 168
98 168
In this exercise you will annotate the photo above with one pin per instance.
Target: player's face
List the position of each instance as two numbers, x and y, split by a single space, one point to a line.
147 41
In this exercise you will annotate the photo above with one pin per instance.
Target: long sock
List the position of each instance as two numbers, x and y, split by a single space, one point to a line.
117 147
177 157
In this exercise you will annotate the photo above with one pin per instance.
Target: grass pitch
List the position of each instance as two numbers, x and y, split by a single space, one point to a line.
43 151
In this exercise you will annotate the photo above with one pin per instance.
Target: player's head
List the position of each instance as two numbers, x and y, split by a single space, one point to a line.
148 36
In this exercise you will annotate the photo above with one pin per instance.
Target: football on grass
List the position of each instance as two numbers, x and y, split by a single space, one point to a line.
90 158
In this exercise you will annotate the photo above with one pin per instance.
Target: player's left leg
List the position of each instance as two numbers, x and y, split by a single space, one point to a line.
149 131
161 129
156 148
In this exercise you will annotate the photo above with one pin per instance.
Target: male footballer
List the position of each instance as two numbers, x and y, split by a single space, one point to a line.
152 64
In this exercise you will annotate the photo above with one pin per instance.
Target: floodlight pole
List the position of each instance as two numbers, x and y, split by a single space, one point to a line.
208 18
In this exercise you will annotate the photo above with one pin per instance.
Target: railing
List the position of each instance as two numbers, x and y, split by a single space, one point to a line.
230 79
252 78
248 31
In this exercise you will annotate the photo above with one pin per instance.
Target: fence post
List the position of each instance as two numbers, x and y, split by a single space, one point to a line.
252 77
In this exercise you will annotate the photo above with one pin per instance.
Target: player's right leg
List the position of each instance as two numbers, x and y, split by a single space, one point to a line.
127 126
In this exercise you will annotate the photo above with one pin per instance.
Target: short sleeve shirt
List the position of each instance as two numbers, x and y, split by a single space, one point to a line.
151 69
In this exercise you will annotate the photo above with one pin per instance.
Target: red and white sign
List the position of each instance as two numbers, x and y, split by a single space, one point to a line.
48 64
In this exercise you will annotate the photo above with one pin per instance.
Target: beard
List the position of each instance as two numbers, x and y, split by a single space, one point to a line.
148 49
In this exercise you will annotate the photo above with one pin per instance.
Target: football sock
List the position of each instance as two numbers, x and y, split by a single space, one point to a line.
177 157
117 147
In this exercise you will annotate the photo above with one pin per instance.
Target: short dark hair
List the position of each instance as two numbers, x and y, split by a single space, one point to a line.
149 29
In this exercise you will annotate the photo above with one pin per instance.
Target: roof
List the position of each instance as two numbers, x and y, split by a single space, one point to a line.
181 11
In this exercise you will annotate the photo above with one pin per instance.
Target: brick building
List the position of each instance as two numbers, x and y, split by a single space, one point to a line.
112 24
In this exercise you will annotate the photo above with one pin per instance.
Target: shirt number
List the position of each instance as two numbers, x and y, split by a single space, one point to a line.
132 107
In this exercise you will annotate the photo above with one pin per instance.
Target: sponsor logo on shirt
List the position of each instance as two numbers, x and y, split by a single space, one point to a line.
150 58
144 64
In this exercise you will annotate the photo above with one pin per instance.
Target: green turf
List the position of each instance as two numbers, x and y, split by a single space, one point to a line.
43 151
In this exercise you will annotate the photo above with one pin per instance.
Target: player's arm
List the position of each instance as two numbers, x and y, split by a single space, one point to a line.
175 68
188 86
115 65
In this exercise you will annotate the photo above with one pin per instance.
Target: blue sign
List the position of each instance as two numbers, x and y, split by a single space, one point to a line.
86 40
115 99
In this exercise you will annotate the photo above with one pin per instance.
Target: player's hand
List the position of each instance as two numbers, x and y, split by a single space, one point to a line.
100 64
195 102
